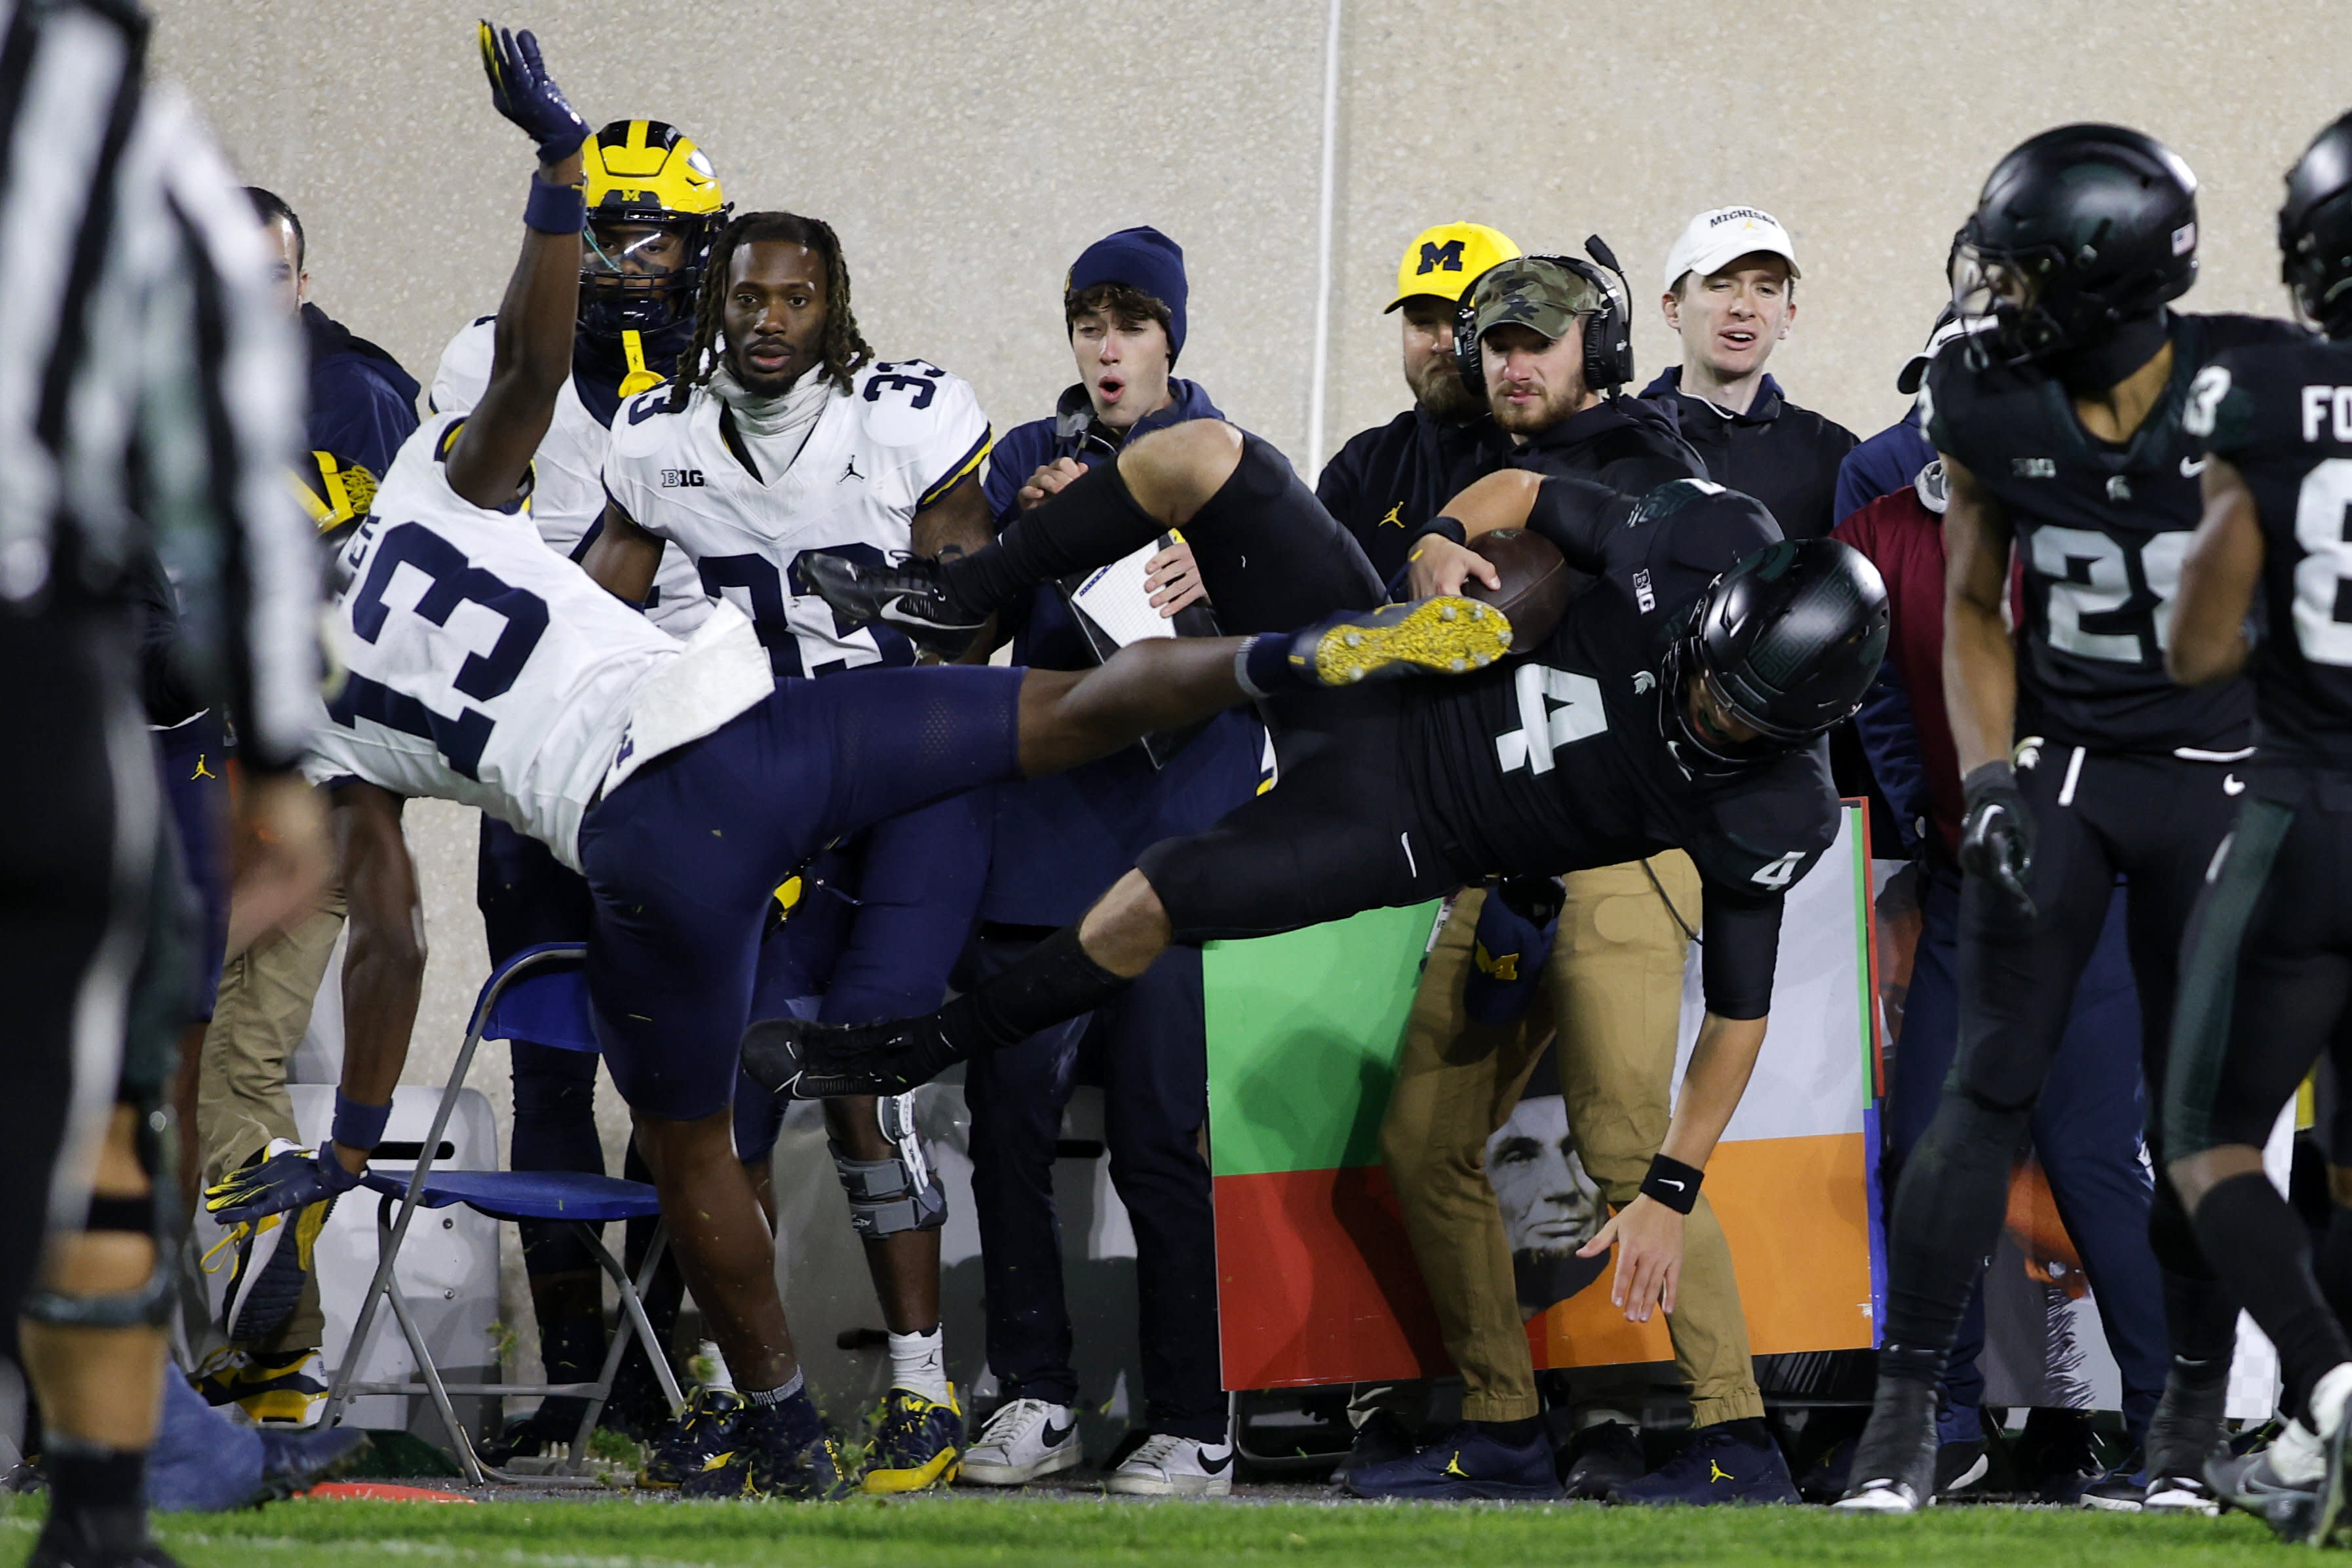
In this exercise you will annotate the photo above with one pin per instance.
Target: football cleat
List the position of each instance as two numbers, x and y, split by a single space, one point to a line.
2280 1485
288 1391
807 1061
1602 1458
764 1457
1731 1462
1024 1440
706 1427
906 595
98 1538
1448 635
917 1443
2186 1431
272 1260
1894 1469
1174 1467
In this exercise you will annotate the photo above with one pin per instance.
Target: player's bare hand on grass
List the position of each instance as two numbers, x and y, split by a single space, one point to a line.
1648 1236
1049 481
1441 566
1173 579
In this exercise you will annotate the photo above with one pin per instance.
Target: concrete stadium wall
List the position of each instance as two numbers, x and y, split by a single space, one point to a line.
966 152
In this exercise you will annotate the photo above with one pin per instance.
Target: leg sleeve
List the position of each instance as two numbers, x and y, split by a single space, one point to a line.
1456 1082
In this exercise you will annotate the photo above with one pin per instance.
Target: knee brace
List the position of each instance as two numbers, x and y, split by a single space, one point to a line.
147 1306
901 1193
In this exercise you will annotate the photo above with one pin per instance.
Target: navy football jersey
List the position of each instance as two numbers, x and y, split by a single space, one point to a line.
1563 760
2101 530
2282 416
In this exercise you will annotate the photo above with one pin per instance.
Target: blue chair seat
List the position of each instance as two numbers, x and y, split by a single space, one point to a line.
528 1194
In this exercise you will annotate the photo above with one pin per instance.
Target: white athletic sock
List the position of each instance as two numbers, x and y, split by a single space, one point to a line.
919 1363
719 1376
2297 1456
2328 1397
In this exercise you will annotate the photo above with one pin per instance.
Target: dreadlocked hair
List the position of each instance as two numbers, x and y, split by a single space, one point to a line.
845 348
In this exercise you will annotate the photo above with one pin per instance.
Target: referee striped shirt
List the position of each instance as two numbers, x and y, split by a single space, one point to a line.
150 384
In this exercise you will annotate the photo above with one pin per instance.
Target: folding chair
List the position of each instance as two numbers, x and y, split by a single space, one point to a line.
538 995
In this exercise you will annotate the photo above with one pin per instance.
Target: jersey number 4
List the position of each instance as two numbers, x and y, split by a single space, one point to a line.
453 581
1557 708
2322 578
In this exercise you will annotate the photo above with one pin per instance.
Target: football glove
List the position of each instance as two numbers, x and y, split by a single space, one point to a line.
521 90
1996 835
294 1180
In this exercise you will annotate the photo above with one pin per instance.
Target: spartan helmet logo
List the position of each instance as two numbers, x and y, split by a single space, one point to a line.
1446 257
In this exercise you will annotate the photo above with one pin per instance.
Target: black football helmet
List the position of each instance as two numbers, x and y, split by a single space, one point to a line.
2314 231
1787 642
2078 230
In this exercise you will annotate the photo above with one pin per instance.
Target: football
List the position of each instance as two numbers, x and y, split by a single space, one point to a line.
1537 583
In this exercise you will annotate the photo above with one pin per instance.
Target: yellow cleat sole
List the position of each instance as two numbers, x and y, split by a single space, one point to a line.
1447 635
940 1470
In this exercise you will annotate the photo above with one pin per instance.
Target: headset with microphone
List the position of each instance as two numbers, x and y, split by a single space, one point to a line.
1608 330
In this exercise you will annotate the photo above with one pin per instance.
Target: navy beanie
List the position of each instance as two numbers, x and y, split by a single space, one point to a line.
1144 259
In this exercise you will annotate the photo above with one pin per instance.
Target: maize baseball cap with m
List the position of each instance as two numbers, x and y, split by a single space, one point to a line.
1444 261
1714 239
1536 292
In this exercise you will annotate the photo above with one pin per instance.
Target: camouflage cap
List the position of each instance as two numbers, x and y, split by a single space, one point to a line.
1535 292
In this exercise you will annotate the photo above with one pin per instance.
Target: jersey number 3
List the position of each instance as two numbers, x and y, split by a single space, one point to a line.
453 581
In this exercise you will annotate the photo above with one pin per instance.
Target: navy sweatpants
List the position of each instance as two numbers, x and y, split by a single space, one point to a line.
2087 1128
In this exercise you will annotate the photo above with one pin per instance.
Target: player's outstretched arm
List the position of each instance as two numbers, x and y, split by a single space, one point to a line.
532 357
1979 660
2217 579
383 974
1647 1233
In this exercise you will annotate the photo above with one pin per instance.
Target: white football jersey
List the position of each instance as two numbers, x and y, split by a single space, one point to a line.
482 667
899 438
568 486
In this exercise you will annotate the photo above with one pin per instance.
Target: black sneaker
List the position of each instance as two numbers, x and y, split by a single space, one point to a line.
1468 1462
703 1430
766 1458
2122 1490
1447 635
98 1538
1894 1466
1603 1457
2057 1457
1962 1468
808 1060
1732 1462
2186 1429
1382 1439
906 595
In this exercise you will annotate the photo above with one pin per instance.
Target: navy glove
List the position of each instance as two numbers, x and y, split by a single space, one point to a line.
521 90
290 1180
1516 929
1996 835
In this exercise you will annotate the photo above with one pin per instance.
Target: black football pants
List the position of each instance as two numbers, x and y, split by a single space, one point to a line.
2156 822
79 813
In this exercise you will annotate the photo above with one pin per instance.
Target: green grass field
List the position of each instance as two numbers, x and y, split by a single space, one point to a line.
942 1533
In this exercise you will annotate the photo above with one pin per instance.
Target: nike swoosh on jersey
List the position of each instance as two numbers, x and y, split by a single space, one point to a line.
2230 785
2191 466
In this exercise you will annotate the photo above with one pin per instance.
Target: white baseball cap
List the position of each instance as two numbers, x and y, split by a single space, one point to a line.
1714 239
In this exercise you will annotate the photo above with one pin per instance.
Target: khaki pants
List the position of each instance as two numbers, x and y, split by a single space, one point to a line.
266 995
1612 991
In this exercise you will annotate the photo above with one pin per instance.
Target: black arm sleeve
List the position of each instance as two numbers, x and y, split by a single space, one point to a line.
1742 946
1577 515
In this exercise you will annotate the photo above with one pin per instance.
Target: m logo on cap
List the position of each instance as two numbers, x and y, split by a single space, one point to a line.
1435 257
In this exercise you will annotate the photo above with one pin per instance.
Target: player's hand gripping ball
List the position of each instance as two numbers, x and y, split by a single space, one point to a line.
1536 582
521 90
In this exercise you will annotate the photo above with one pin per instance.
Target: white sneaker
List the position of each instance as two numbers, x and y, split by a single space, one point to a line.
1175 1467
1024 1440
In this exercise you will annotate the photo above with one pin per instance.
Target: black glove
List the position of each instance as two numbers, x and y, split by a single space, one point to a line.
521 90
1997 834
